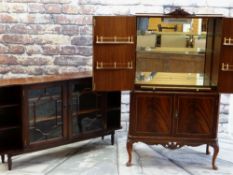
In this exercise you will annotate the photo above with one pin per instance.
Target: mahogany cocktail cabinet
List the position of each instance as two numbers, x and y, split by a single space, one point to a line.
175 66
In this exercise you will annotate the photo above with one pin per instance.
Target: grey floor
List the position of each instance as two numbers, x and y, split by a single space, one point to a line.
98 157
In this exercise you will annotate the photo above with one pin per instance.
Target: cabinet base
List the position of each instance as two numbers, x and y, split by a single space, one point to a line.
175 145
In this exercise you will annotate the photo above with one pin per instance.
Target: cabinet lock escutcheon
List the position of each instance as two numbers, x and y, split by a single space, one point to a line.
176 115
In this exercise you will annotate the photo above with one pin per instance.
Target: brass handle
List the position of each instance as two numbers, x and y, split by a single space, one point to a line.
115 65
114 40
228 41
227 67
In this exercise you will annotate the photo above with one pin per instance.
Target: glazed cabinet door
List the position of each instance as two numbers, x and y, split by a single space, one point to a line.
151 114
44 114
85 109
196 116
114 53
226 58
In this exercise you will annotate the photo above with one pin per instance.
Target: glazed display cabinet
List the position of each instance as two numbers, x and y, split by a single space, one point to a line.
43 112
175 65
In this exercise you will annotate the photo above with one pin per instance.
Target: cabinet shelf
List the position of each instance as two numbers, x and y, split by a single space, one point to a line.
8 105
113 109
8 127
87 111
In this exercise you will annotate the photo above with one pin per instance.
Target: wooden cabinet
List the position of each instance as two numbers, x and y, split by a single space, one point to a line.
50 113
174 119
114 52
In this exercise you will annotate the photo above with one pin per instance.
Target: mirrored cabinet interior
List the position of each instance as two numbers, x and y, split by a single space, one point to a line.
172 51
181 63
50 111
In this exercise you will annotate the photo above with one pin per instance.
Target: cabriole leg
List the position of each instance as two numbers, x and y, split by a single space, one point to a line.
207 149
216 150
129 146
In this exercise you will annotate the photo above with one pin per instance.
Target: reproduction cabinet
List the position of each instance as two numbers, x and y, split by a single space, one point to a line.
35 116
181 62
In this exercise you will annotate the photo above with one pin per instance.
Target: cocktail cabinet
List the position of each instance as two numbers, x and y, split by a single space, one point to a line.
175 65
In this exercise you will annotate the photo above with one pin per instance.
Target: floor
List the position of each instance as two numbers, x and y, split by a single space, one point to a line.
99 157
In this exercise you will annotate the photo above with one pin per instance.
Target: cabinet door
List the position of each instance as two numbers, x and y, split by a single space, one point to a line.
226 59
196 116
44 113
114 53
86 113
151 114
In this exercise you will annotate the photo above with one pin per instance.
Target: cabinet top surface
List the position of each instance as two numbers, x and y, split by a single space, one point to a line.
44 78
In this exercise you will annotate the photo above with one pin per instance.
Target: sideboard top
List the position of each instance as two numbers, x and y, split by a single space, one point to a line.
44 78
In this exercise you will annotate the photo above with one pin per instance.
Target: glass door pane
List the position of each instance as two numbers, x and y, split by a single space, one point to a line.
86 113
45 113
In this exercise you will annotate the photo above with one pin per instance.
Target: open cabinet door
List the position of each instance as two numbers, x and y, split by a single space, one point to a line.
226 60
114 53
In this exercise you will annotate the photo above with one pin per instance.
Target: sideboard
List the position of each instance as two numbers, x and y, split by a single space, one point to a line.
42 112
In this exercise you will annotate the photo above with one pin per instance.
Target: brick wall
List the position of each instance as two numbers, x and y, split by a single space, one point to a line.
39 37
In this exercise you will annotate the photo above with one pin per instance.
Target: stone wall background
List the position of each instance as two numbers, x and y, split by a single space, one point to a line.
41 37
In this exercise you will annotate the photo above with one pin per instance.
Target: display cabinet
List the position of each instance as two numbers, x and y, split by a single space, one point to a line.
43 112
182 62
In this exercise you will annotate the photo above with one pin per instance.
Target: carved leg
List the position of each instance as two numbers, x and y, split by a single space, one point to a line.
112 138
3 158
9 161
129 146
216 150
207 149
